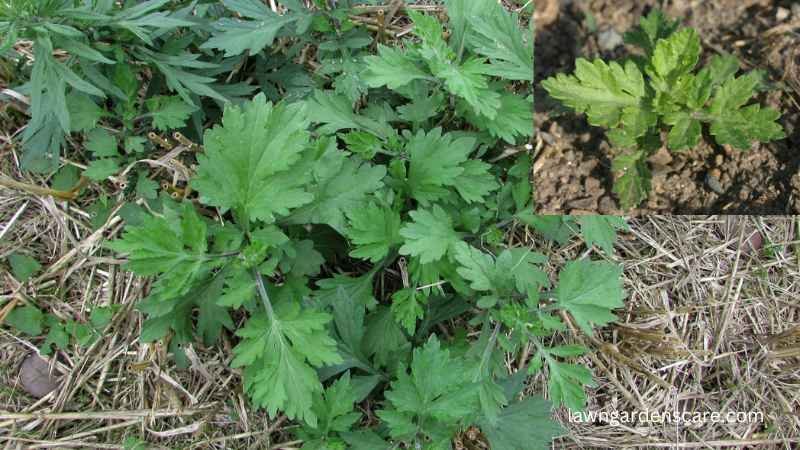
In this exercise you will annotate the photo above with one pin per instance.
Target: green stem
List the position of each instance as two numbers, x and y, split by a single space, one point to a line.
487 352
223 255
262 292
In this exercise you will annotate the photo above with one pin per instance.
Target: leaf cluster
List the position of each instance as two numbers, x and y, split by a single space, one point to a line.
662 89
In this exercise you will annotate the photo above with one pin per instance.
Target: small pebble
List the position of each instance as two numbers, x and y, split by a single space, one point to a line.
35 377
719 160
713 181
609 39
591 185
782 14
662 157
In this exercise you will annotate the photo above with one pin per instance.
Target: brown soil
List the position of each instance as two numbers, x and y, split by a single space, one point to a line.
573 167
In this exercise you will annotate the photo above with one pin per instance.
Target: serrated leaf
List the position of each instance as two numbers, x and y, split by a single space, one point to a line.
514 118
365 440
521 264
407 308
430 235
27 319
211 317
134 144
279 354
145 187
374 230
335 411
469 82
601 230
251 163
182 81
305 261
58 335
101 143
554 228
335 112
673 58
475 182
751 123
590 290
239 288
348 317
23 266
422 107
172 248
392 68
237 36
476 266
740 126
685 132
437 392
526 424
566 383
83 111
384 340
499 37
340 184
169 112
734 93
600 90
357 288
632 183
722 68
436 162
651 29
100 169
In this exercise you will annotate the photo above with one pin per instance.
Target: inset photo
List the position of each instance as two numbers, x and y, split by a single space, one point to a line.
692 108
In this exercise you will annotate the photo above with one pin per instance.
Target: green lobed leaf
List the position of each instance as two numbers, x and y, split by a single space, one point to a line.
499 37
654 27
374 230
431 399
27 319
407 308
589 291
340 184
632 183
279 355
737 125
335 412
100 169
169 112
101 143
673 58
392 68
430 234
173 247
601 230
252 162
23 266
237 36
526 424
600 90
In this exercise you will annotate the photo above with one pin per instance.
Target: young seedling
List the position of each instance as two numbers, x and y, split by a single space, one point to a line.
638 98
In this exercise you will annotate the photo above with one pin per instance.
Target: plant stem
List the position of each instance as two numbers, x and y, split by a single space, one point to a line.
487 352
262 292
